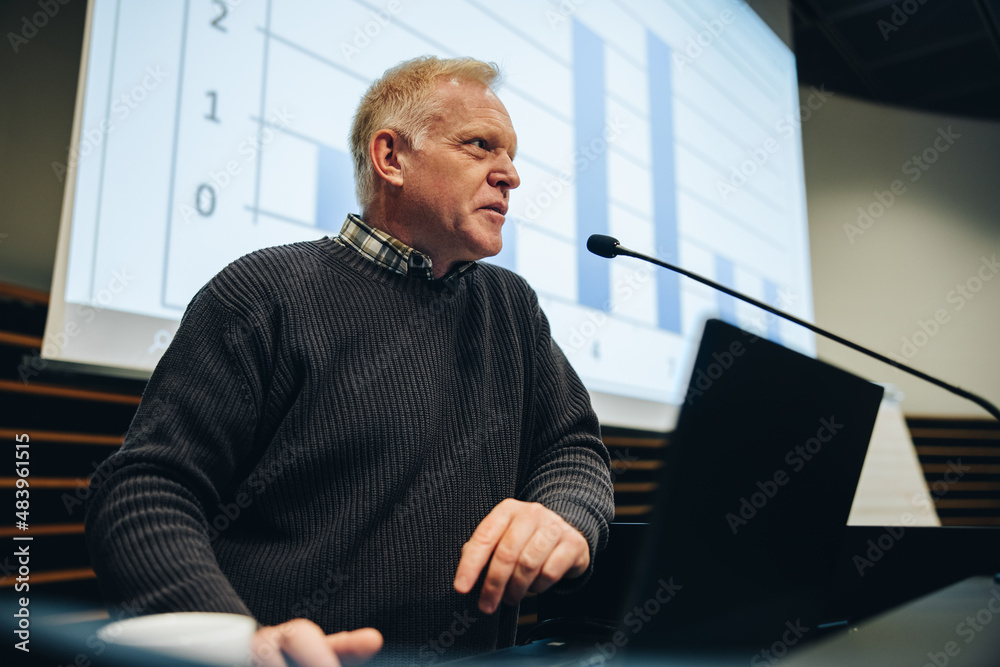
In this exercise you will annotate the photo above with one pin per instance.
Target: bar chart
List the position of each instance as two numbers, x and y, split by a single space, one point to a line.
642 120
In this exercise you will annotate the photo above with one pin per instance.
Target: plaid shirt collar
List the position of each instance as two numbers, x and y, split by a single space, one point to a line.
391 253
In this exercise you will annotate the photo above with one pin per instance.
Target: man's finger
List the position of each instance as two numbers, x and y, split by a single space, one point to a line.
305 644
265 649
537 552
565 560
477 551
355 646
506 557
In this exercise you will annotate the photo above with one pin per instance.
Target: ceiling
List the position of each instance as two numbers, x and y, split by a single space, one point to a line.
935 55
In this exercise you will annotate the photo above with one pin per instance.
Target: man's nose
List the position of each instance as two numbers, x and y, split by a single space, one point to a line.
505 176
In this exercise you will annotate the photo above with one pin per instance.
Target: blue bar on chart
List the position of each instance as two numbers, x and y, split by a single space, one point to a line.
334 188
727 304
593 272
772 298
661 121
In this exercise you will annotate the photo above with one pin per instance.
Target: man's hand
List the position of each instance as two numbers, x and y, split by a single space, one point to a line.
303 642
532 548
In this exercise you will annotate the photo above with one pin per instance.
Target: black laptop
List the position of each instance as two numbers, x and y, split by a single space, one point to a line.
751 509
753 503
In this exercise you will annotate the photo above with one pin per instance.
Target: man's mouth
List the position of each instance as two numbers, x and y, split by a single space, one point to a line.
499 208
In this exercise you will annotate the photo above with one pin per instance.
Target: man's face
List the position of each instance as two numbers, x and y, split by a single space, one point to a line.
456 187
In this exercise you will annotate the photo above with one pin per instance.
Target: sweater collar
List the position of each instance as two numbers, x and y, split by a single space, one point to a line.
391 253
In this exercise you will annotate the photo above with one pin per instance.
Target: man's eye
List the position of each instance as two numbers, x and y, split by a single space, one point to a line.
479 143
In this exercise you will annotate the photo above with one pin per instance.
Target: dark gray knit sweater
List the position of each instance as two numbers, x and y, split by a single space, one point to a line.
323 435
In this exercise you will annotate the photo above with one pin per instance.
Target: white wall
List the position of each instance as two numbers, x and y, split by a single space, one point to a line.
876 282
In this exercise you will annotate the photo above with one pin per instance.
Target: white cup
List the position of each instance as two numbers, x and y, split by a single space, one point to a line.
218 639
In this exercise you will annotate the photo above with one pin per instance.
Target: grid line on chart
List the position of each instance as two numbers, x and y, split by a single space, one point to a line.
534 101
521 155
688 287
724 45
104 157
263 101
710 250
363 79
704 75
739 222
630 209
171 196
739 55
754 192
268 34
623 319
720 128
541 47
283 218
707 78
628 156
285 130
769 165
541 229
514 89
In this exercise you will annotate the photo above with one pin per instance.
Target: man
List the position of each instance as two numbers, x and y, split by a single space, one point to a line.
362 431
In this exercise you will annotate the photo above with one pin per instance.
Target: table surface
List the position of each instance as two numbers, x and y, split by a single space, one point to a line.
958 626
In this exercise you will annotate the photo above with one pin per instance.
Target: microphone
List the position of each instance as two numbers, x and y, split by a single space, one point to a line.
605 246
609 247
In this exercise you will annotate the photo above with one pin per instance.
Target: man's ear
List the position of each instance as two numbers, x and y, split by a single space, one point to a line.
384 151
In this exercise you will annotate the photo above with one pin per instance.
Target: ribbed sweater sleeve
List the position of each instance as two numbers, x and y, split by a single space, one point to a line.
146 521
570 465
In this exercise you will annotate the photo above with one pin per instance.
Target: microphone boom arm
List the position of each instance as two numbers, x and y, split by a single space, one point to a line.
609 247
